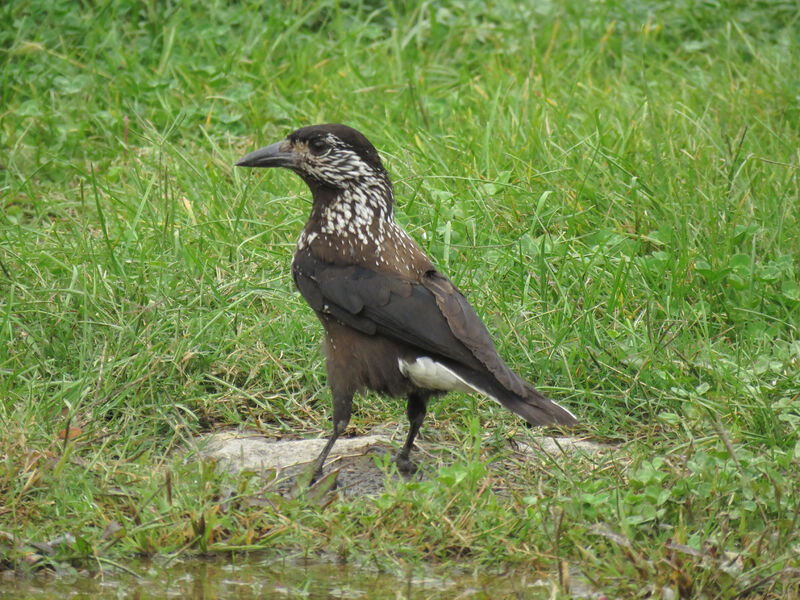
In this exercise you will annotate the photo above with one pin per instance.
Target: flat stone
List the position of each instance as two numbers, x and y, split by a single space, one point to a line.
556 446
354 458
250 451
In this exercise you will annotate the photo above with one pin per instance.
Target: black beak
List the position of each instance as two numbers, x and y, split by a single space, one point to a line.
274 155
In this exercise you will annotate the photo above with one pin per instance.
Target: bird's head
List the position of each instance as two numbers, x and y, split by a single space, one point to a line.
325 156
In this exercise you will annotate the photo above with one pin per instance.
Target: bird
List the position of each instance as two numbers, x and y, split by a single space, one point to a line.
394 324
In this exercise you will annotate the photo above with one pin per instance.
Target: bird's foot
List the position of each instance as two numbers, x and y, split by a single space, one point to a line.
406 465
313 485
308 478
323 484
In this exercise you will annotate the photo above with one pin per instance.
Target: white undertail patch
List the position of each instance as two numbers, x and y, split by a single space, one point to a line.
431 375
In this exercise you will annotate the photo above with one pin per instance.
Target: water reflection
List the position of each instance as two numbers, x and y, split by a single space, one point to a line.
246 577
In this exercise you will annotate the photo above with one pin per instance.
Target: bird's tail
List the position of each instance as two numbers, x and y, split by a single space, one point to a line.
529 403
537 409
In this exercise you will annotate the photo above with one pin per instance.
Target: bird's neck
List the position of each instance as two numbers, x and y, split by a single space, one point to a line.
352 210
357 226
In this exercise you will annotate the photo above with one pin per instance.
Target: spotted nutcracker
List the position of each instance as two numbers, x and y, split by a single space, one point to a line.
393 323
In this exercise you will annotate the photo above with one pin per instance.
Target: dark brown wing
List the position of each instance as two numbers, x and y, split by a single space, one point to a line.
470 330
432 316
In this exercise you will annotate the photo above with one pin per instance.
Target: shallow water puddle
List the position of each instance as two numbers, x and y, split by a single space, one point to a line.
248 577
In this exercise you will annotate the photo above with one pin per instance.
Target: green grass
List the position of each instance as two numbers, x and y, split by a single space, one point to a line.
613 184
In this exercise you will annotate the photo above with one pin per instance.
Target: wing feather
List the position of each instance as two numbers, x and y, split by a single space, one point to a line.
470 330
431 315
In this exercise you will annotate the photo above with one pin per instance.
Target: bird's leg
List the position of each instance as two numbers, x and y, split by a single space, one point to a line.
417 407
342 407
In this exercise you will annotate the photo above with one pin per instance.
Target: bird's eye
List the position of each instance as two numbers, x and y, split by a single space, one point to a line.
318 146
